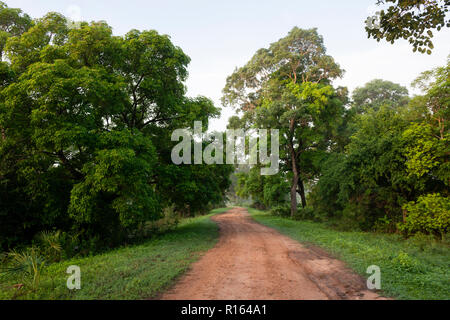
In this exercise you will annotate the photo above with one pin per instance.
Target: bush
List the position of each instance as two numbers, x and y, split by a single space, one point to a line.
405 263
258 205
384 225
305 213
70 244
3 259
50 245
430 214
28 263
422 242
282 210
169 222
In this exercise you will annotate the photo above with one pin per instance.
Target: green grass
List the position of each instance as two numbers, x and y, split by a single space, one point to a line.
410 269
136 272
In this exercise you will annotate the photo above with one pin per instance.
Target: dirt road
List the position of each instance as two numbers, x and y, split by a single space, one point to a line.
254 262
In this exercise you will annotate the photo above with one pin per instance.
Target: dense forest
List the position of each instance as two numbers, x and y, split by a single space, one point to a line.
88 176
377 160
86 119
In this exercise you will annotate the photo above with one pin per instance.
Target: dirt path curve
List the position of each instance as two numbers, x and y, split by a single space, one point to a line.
254 262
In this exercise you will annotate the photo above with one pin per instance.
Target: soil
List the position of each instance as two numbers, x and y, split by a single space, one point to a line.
254 262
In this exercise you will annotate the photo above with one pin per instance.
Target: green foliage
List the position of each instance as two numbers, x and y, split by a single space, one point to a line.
410 20
133 272
397 154
27 265
369 180
287 86
106 189
85 125
429 214
378 93
50 245
282 210
306 213
13 22
168 222
269 191
424 153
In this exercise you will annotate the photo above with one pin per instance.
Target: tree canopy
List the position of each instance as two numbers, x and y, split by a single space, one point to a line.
377 93
288 87
86 119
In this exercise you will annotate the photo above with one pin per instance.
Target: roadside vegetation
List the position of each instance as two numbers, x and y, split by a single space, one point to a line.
375 161
131 272
86 119
414 268
87 176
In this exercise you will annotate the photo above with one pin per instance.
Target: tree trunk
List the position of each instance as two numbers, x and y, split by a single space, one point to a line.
301 191
294 184
294 195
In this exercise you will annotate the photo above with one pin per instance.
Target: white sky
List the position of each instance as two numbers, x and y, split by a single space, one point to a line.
222 35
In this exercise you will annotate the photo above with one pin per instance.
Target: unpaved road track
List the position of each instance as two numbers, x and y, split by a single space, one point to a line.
254 262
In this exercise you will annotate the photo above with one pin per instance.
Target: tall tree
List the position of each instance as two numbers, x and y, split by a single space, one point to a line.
287 87
394 173
377 93
87 118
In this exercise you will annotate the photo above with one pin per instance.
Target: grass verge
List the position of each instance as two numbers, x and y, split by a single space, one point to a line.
135 272
410 269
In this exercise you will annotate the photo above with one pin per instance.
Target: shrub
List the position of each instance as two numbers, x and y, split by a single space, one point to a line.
3 258
28 264
50 245
406 263
430 214
170 221
282 210
304 213
384 225
258 205
422 242
70 244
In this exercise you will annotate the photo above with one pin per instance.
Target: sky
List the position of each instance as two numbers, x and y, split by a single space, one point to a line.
222 35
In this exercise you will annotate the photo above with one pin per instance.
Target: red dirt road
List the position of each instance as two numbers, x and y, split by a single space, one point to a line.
254 262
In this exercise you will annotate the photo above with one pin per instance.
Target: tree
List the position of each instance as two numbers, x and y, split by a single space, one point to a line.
394 173
86 121
377 93
13 22
266 191
410 20
436 84
287 87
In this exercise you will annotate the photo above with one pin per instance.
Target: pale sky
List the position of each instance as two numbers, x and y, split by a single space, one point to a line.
222 35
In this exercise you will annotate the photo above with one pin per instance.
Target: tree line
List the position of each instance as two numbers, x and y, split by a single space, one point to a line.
86 119
377 160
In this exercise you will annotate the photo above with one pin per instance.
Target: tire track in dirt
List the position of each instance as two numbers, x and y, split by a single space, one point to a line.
254 262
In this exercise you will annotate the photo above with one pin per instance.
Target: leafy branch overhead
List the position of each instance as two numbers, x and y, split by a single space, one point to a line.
412 20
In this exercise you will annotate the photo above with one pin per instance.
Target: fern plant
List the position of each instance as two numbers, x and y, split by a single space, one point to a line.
50 245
